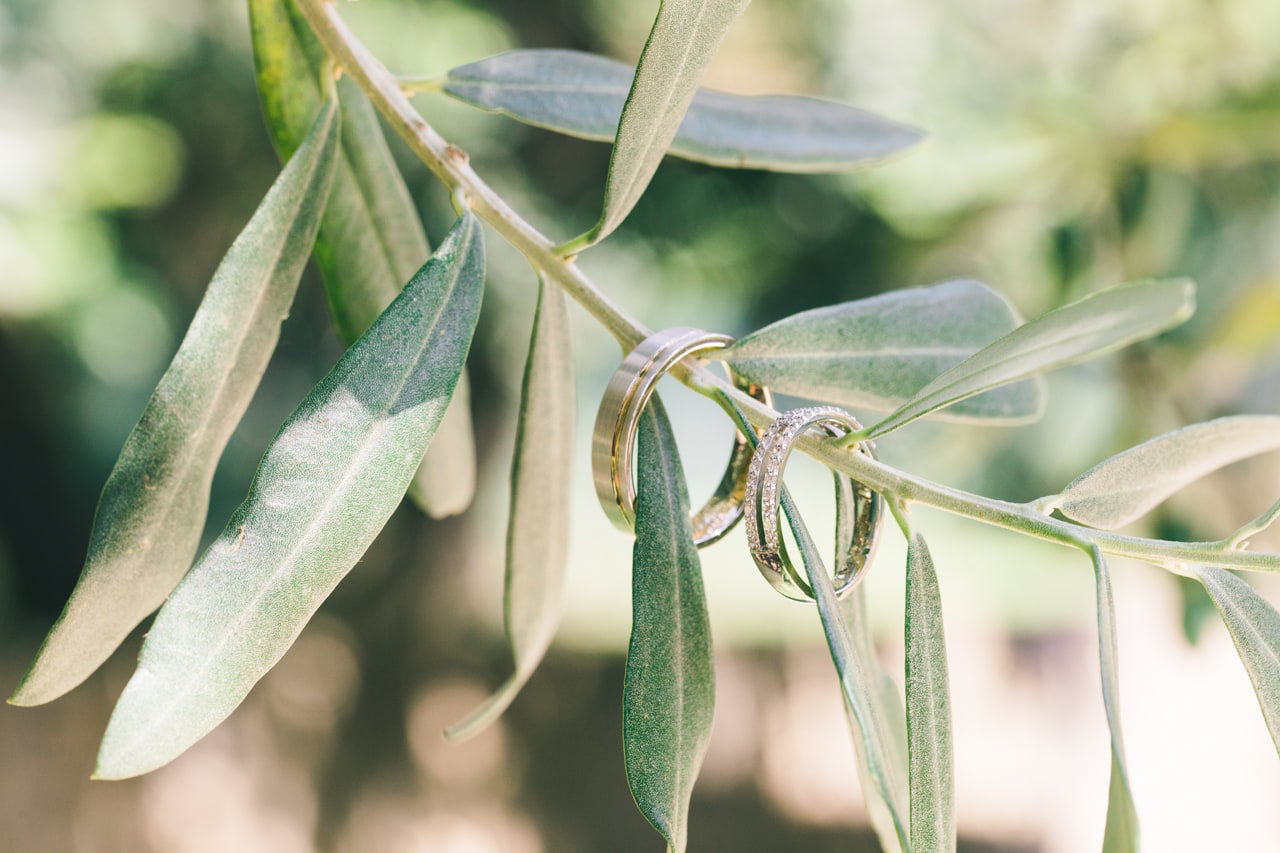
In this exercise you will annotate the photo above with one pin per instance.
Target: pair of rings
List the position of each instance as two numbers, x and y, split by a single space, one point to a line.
752 481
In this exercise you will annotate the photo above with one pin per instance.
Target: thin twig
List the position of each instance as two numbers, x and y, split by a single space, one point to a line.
450 164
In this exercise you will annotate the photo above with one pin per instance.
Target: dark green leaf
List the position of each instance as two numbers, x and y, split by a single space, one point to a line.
1121 834
582 94
1255 629
1100 323
668 694
1129 484
153 506
371 239
933 791
538 523
875 353
684 38
327 484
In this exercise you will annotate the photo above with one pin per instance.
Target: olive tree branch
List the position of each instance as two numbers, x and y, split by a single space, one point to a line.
450 164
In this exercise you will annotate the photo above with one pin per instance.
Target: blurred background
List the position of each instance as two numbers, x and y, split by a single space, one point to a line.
1074 144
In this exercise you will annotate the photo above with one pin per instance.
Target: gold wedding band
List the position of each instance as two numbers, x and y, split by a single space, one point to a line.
613 441
859 510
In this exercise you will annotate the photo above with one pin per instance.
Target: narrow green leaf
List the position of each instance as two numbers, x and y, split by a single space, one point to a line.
582 94
668 693
153 506
327 484
861 686
371 239
881 749
1129 484
876 353
684 38
1254 626
1121 834
1099 323
538 522
933 790
886 700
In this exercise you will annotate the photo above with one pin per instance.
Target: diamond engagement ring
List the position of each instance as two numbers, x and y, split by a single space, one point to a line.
859 510
613 440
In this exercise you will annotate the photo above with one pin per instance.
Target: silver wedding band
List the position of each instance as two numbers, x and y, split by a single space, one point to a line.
613 440
859 510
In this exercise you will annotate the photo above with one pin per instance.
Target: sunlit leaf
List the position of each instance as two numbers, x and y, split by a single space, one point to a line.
1121 833
1097 324
1129 484
538 523
876 353
1254 626
885 698
668 693
371 239
153 506
933 793
684 38
582 94
325 487
859 680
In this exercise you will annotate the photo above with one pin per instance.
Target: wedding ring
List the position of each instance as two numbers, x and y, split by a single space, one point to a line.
859 510
613 441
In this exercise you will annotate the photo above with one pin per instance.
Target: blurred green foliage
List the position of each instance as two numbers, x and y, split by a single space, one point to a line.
1074 144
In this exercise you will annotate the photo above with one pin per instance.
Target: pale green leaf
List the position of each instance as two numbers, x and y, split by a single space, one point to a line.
884 696
153 506
1254 626
371 239
876 353
861 683
1099 323
933 790
325 487
1129 484
684 38
1121 833
668 693
582 94
538 521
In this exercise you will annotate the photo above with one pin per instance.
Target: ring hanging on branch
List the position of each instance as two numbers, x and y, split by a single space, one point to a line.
859 510
613 440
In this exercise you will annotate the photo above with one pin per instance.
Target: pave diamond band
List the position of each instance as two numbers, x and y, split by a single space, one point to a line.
613 439
859 511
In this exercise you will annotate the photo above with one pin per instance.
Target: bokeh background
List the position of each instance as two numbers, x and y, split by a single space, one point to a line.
1074 144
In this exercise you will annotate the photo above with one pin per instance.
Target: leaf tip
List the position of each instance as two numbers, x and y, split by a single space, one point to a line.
486 714
31 692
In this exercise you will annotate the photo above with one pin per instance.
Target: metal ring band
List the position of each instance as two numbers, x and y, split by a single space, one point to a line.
859 510
613 440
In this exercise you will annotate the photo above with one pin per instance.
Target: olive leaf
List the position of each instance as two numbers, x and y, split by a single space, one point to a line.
883 694
1121 833
668 693
872 703
877 352
861 685
684 38
538 522
1099 323
371 239
1129 484
1254 626
582 94
933 791
152 510
325 487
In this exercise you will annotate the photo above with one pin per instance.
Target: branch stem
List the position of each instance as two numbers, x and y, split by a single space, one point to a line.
450 164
